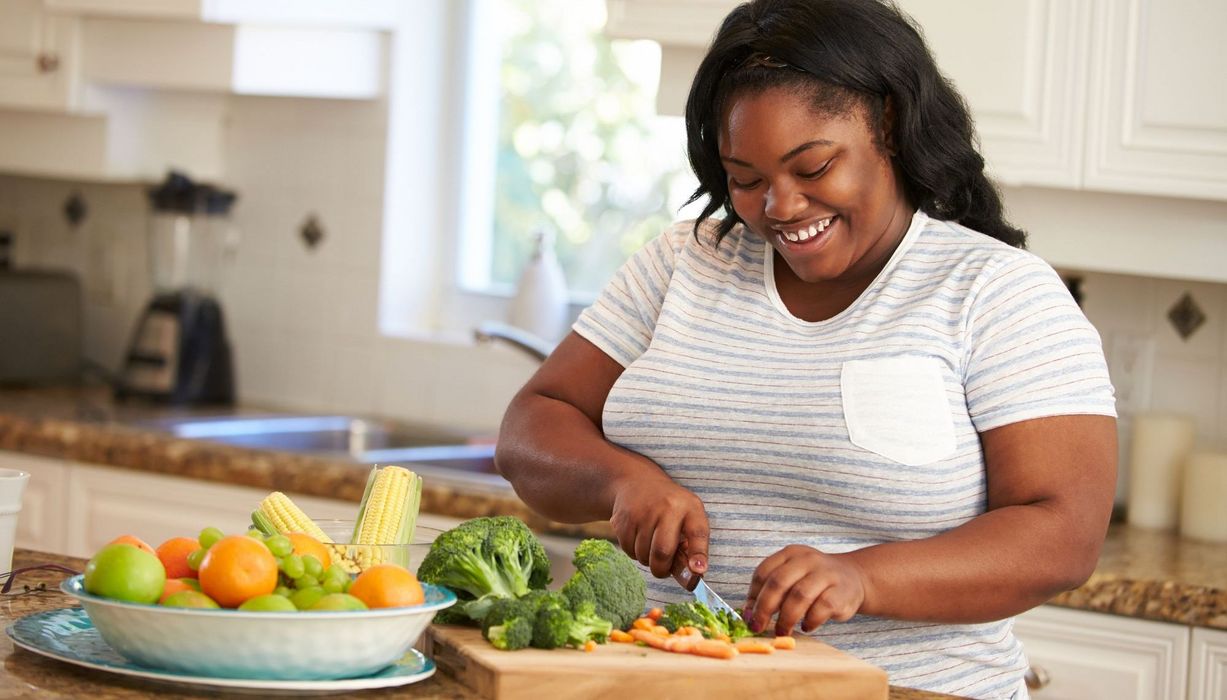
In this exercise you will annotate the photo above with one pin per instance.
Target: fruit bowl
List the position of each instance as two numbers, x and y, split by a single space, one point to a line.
316 645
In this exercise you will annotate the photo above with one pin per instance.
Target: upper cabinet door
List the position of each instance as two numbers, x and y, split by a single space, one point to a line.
37 52
1020 64
1159 102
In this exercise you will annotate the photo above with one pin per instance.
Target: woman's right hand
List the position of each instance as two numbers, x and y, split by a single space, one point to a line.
657 522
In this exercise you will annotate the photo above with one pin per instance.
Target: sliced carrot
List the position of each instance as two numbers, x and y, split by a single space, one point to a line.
686 631
681 645
661 630
723 638
620 636
714 648
589 645
784 643
653 640
754 646
654 614
643 623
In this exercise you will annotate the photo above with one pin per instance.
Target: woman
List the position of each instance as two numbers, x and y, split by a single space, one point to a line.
854 404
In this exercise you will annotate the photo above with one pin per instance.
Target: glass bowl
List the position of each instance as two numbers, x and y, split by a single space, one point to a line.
407 555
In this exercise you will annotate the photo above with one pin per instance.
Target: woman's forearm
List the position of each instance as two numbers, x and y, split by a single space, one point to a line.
560 464
998 565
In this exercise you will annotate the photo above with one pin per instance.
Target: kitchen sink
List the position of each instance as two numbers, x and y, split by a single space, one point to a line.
333 435
428 450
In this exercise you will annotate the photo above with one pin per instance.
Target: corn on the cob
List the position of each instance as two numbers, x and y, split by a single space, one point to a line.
279 514
387 516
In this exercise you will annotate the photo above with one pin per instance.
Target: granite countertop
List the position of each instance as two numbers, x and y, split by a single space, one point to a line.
1143 574
29 675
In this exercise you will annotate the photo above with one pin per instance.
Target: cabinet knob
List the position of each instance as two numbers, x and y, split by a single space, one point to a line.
1036 677
47 62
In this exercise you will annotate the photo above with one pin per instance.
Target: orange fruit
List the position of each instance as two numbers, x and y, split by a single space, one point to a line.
173 586
134 541
173 553
306 544
235 568
387 586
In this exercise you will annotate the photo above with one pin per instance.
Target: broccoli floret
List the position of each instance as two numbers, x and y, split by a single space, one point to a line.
505 609
588 625
607 578
513 634
557 625
552 627
711 623
484 559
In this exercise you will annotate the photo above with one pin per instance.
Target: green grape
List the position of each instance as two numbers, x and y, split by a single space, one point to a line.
333 585
306 581
312 565
292 566
194 559
209 536
304 598
255 534
337 571
280 546
283 591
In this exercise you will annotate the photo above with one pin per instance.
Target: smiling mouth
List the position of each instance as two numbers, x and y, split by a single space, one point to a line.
806 234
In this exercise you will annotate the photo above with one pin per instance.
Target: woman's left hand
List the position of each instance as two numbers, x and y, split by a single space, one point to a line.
803 585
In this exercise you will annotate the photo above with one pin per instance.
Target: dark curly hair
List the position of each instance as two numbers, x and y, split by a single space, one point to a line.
841 54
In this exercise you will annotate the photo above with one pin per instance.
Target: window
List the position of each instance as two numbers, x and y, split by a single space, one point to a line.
560 132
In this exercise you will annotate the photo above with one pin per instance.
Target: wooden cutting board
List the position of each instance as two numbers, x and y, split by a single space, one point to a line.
812 670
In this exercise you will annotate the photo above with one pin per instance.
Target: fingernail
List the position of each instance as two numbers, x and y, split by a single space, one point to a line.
696 564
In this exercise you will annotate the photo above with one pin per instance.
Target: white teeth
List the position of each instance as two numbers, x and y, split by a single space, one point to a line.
792 236
822 225
806 233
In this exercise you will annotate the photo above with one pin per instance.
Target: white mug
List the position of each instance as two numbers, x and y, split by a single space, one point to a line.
12 486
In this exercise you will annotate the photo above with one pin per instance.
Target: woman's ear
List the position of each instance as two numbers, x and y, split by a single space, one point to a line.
887 127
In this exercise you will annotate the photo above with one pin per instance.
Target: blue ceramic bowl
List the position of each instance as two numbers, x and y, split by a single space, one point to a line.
260 645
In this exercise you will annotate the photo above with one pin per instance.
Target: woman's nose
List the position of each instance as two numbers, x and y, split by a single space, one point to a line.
784 203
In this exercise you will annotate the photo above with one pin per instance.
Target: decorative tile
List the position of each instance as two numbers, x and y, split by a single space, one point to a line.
1186 316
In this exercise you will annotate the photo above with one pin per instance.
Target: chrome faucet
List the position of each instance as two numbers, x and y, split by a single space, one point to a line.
527 342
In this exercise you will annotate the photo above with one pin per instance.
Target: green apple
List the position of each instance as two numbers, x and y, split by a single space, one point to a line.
339 601
269 602
189 599
124 572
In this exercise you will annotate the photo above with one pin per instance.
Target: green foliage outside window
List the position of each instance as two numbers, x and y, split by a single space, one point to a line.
581 149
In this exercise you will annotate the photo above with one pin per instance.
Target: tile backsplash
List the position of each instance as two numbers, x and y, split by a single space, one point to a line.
304 320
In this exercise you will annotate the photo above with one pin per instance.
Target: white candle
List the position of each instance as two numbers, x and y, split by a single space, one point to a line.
1161 444
1202 512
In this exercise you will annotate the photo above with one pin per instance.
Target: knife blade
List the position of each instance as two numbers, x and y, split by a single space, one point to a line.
705 595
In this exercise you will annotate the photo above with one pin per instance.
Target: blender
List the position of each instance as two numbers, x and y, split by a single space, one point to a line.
179 352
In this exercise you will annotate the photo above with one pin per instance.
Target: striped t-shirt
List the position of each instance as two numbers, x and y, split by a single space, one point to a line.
849 432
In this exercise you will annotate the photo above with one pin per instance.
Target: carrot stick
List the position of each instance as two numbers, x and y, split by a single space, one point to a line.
661 630
653 640
643 623
784 643
654 614
714 648
754 646
589 645
681 645
723 638
620 636
685 631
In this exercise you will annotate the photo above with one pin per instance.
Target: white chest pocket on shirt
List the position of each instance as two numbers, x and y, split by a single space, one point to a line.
897 407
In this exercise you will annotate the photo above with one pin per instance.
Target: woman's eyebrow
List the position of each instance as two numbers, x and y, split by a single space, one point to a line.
787 156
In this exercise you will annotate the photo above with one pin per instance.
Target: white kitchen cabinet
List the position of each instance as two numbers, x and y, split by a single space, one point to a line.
1159 98
1208 665
38 56
1109 95
40 524
1093 656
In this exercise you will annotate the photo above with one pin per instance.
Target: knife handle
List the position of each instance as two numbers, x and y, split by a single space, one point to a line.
681 571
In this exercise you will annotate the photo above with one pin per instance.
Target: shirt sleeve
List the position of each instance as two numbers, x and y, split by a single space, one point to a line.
1031 352
622 320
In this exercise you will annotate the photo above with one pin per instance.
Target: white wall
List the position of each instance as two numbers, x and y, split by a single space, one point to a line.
304 322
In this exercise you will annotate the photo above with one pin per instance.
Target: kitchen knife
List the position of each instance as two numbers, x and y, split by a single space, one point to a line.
705 595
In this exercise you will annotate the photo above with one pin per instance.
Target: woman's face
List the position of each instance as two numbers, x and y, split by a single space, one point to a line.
817 187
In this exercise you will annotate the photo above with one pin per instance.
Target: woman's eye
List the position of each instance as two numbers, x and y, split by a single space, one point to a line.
817 173
743 185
